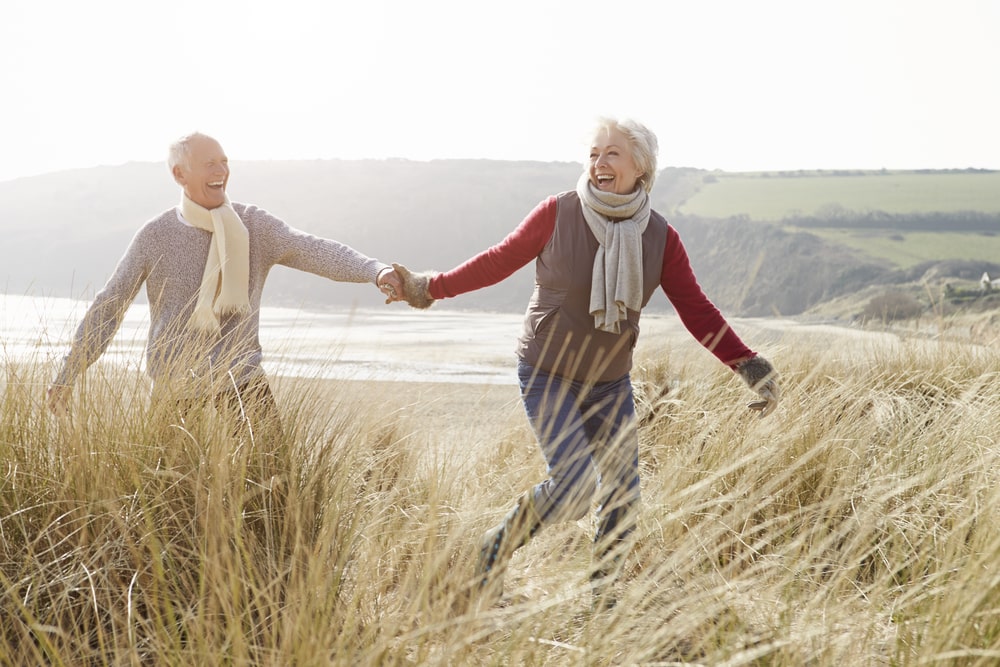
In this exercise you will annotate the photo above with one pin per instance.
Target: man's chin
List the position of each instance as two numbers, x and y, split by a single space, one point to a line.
215 200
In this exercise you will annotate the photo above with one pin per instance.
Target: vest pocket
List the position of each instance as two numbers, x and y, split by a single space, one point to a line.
544 322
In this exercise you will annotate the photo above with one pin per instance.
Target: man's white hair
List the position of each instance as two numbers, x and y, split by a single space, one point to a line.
180 150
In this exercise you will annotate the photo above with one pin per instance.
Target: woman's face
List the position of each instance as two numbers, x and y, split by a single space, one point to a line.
612 168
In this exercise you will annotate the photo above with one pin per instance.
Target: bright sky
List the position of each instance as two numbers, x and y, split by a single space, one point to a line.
736 85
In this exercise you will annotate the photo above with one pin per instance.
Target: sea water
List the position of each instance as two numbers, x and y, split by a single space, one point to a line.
391 343
394 342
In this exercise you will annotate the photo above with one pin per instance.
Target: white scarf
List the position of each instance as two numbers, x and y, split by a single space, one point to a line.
617 221
225 284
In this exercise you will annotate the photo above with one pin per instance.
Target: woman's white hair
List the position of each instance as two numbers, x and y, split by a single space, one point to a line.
180 150
641 140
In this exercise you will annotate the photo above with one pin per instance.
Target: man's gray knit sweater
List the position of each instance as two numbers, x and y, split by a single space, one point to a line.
169 257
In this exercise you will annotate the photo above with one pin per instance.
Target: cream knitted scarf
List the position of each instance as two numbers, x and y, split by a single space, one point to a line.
618 222
225 285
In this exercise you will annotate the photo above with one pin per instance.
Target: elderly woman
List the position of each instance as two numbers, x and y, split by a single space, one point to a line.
600 252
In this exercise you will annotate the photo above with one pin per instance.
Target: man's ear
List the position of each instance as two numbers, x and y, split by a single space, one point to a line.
178 174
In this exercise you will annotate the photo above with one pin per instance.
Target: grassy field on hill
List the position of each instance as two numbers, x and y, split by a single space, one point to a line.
911 248
855 526
773 197
785 198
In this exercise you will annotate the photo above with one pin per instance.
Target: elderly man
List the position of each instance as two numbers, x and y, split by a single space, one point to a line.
204 263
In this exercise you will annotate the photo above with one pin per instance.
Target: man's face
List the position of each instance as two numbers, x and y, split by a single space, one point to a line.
205 173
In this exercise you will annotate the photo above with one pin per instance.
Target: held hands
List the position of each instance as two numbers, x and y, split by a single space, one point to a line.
413 288
760 376
390 284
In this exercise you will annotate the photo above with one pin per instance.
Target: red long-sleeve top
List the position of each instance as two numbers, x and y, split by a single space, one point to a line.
698 314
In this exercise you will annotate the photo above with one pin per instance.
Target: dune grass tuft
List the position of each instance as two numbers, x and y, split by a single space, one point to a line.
856 526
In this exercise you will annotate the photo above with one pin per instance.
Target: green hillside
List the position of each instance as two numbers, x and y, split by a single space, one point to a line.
775 196
912 248
904 218
760 243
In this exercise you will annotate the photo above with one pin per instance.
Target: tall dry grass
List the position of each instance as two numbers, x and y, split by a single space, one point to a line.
856 526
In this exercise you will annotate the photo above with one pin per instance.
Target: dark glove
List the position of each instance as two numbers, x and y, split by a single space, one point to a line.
760 376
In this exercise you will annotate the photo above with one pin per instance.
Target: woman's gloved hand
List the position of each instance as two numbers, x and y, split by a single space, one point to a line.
415 287
761 377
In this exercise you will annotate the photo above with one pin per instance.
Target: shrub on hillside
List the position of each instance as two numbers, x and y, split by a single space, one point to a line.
892 306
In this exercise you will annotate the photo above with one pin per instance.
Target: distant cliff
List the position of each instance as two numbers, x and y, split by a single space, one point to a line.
64 232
